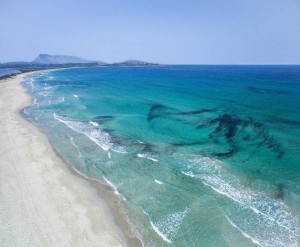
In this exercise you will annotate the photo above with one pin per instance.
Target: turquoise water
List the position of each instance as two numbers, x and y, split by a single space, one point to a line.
199 155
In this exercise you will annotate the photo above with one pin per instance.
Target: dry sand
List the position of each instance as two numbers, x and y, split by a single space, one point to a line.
42 203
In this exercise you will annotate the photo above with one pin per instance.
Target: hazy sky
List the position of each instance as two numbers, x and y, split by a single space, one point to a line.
164 31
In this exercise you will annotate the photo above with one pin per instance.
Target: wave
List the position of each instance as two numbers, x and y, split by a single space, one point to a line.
106 180
95 134
245 234
31 82
84 175
168 226
76 96
56 100
158 181
112 185
75 145
119 149
46 87
147 156
262 218
159 233
94 123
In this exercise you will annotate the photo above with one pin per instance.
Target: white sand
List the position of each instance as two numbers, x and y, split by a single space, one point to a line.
41 202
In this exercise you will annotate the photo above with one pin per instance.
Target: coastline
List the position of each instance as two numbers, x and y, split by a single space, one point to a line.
44 201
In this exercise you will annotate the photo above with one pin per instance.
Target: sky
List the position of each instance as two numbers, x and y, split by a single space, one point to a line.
163 31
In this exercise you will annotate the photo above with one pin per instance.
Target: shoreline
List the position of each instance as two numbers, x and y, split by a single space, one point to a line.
45 200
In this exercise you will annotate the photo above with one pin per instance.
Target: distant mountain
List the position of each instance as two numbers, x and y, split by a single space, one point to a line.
16 63
134 63
59 59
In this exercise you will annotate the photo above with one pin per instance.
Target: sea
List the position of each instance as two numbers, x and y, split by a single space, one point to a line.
200 156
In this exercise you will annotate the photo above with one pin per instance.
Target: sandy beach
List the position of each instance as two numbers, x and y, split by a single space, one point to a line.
44 203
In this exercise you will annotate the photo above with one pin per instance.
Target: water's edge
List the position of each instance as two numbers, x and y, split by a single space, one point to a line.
104 191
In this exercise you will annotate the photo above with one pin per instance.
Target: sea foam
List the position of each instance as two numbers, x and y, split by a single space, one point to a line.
158 181
159 233
275 224
95 134
112 185
75 145
147 156
168 226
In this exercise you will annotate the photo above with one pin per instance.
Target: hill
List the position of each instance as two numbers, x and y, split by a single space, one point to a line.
59 59
134 63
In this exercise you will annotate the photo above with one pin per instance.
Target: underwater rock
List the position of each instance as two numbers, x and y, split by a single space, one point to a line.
182 144
195 112
159 110
227 127
103 119
228 153
227 124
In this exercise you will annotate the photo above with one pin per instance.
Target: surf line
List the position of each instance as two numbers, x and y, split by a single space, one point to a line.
159 233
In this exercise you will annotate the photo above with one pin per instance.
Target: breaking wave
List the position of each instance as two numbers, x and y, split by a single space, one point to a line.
168 226
147 156
275 224
95 134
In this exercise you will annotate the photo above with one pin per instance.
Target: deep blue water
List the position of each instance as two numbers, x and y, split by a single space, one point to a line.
199 155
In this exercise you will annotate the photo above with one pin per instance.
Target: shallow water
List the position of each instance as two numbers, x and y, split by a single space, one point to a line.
200 155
